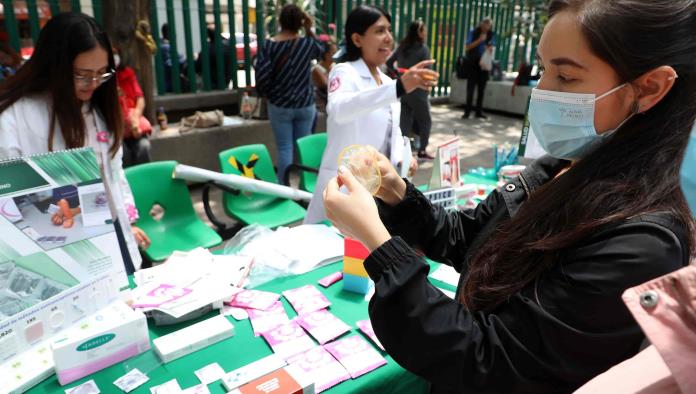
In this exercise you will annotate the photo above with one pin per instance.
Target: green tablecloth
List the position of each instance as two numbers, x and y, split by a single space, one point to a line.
243 348
479 180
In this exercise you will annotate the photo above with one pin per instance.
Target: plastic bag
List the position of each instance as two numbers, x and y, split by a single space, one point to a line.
486 62
254 240
285 251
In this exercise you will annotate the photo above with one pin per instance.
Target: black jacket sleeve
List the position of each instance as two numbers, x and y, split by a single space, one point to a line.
442 236
557 333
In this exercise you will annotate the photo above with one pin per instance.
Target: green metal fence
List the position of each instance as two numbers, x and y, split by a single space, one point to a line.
188 61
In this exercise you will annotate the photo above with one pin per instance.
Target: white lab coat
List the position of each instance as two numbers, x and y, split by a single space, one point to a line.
24 128
359 112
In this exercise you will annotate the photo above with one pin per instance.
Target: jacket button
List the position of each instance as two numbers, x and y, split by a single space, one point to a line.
510 187
648 299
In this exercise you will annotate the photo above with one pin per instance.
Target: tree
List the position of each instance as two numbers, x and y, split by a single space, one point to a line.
128 24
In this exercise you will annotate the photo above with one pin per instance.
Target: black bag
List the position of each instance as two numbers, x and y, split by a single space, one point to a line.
463 67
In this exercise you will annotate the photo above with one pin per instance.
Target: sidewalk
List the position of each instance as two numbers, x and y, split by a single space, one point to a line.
477 137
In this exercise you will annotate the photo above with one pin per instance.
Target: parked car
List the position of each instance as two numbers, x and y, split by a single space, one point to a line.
239 39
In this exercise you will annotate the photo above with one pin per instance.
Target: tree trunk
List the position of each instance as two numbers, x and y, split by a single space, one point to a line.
120 20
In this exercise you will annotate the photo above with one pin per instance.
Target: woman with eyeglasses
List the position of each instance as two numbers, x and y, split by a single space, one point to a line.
65 97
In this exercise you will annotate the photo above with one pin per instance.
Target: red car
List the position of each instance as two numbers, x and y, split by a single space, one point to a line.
239 39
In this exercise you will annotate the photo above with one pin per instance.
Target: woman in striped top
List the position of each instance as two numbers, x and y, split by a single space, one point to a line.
283 75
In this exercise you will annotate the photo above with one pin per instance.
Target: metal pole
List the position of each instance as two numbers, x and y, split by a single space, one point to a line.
173 52
190 66
219 53
233 43
159 62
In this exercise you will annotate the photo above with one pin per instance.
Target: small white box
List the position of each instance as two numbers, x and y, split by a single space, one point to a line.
193 338
255 370
105 338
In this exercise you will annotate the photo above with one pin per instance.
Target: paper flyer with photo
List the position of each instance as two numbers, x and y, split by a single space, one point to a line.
48 248
446 171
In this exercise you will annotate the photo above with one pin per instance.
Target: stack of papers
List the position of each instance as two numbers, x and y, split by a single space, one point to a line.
188 281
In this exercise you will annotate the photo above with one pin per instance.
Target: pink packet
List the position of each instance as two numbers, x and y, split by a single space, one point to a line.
161 295
366 327
323 325
306 299
331 279
263 321
288 340
322 367
254 299
356 355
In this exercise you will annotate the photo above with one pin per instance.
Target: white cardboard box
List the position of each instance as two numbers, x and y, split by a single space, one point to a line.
255 370
193 338
105 338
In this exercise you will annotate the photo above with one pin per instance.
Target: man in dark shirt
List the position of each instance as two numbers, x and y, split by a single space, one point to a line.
479 40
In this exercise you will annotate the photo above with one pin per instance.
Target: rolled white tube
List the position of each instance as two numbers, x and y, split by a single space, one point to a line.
195 174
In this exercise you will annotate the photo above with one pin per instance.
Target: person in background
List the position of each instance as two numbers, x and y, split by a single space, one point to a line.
65 97
364 107
543 261
283 75
212 56
137 129
479 40
665 308
524 76
165 50
415 106
320 77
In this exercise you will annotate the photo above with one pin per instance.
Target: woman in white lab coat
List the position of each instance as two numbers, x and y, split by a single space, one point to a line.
363 106
65 97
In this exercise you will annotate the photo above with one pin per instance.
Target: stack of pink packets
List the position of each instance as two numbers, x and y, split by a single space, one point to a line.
264 308
330 363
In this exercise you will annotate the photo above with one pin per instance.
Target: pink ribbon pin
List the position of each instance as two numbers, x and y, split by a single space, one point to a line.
102 136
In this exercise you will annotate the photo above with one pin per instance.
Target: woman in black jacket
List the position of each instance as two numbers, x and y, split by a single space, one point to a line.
544 260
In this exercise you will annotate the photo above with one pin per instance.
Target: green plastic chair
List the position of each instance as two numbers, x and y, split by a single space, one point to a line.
179 228
256 208
310 150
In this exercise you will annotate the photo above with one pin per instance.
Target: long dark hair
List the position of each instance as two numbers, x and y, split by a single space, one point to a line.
291 17
412 38
50 70
635 171
358 21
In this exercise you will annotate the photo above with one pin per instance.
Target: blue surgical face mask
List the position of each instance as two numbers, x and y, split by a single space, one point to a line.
564 122
688 173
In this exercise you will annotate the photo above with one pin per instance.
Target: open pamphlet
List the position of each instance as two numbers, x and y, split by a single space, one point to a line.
59 255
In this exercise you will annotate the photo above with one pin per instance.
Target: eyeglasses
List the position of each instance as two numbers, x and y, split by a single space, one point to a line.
85 81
